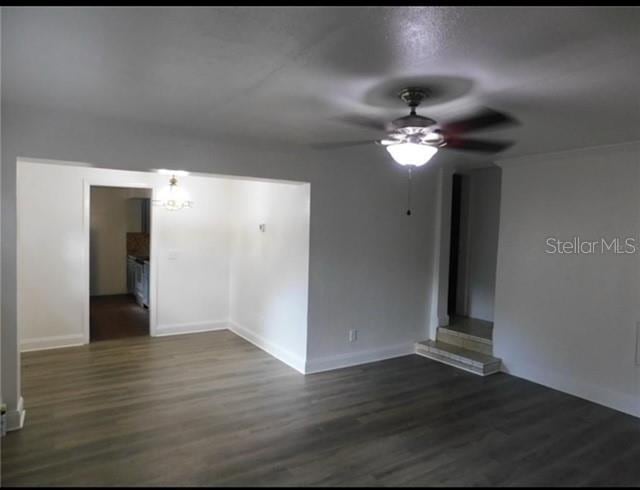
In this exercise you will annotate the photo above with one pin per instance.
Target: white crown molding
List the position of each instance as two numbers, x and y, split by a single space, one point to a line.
633 146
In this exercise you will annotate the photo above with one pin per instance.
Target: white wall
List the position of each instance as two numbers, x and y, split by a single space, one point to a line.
270 269
193 258
369 264
569 321
111 219
210 264
189 248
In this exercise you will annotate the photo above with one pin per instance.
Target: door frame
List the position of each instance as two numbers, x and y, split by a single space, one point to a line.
86 257
440 266
454 244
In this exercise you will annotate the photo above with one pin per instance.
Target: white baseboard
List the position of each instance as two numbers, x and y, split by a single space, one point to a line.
15 418
270 348
194 327
356 358
622 402
56 342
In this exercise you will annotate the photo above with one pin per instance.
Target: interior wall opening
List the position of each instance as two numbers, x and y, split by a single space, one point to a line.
475 212
236 259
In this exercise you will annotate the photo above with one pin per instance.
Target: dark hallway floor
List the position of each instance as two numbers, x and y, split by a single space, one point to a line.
117 316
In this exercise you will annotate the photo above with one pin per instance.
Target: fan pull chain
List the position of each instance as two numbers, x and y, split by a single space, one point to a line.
409 191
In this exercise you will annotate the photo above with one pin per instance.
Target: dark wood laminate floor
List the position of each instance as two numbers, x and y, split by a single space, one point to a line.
117 316
211 409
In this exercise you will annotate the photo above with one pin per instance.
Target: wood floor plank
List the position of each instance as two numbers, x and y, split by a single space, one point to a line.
116 316
212 409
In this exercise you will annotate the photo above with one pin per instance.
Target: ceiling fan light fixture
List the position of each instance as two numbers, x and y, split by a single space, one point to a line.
411 154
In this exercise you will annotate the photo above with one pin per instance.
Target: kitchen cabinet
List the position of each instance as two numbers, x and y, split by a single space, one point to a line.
145 283
131 277
138 279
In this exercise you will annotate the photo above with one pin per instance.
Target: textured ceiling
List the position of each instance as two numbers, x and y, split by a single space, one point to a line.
285 75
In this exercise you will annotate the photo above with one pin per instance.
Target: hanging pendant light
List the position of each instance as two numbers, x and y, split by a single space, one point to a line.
173 197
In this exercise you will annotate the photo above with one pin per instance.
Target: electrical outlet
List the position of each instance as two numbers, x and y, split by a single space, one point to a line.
353 335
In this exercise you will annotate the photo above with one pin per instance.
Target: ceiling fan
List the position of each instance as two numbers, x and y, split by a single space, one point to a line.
413 140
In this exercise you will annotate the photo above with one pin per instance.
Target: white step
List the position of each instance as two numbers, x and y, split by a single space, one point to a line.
453 355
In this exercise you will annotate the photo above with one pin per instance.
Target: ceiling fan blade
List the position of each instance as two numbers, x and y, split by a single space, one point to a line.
484 118
362 121
334 145
486 146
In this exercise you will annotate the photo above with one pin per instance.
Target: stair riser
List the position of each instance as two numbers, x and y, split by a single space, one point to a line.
465 342
458 358
486 371
459 361
467 336
446 360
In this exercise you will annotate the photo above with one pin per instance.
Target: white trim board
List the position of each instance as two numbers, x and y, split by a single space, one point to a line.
186 328
270 348
622 402
108 181
283 355
61 341
356 358
54 342
15 418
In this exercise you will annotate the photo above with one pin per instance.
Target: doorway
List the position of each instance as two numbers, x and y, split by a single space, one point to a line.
473 249
119 262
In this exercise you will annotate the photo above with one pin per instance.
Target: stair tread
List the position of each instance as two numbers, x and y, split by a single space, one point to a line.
459 352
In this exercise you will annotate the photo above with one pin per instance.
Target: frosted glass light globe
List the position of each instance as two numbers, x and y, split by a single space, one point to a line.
411 153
